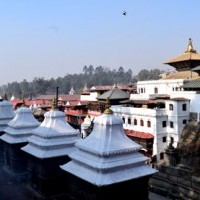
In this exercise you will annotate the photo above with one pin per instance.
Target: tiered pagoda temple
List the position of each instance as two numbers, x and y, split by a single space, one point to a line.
189 60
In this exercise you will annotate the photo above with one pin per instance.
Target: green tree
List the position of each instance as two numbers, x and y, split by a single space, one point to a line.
143 75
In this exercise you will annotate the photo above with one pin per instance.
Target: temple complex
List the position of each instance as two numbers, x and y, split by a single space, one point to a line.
179 172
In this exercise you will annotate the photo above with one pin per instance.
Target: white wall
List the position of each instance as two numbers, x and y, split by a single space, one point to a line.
156 117
194 99
91 97
164 86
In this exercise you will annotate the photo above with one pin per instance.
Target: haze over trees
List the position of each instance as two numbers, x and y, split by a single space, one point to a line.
90 76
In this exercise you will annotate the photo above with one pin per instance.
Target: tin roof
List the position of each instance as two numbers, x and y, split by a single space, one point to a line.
192 84
139 134
113 94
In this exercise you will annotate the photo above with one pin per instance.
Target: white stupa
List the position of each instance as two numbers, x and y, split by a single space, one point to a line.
72 91
20 128
6 113
12 98
85 125
107 155
53 138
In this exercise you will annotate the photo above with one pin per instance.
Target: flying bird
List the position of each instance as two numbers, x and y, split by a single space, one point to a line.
124 13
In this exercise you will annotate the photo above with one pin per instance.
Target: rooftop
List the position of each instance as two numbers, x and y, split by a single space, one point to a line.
20 128
188 60
53 138
107 155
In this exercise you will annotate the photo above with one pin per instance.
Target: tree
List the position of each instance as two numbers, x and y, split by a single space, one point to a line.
121 70
155 74
90 70
25 89
98 76
98 70
39 86
85 70
143 75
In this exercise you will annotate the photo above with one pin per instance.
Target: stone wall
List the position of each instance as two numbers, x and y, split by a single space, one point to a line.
176 183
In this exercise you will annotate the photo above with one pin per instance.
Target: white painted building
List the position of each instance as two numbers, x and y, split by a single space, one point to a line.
172 88
165 124
154 87
179 93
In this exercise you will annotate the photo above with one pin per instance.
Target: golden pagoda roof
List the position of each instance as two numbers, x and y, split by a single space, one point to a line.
189 59
182 75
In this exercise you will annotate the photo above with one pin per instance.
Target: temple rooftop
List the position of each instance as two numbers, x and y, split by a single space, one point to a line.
20 127
53 138
6 113
107 155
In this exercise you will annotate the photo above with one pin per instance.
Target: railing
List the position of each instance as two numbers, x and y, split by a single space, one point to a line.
138 111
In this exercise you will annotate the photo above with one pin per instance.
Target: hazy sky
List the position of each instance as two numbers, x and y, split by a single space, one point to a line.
50 38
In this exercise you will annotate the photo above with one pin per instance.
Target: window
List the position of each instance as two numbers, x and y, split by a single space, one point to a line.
184 107
164 139
148 123
141 122
171 125
129 120
141 90
184 121
171 107
123 119
144 90
164 124
161 156
172 140
135 121
155 90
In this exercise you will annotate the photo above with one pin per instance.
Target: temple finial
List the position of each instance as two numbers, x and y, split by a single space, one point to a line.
23 102
190 48
107 107
5 97
115 86
54 106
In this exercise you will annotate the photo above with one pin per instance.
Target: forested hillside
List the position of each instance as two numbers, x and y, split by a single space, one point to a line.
90 76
